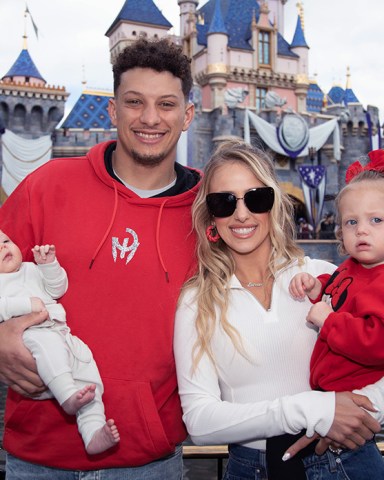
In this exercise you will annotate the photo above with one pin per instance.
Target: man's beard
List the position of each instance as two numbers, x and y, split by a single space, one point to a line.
148 160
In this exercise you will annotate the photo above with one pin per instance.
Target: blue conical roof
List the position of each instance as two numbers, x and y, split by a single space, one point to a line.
90 111
315 97
283 47
24 67
236 16
350 96
217 24
141 11
336 94
299 37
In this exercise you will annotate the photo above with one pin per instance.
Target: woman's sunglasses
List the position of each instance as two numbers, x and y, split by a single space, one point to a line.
257 200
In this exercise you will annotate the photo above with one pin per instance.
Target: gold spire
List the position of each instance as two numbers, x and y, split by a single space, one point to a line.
348 78
300 10
84 81
264 7
254 23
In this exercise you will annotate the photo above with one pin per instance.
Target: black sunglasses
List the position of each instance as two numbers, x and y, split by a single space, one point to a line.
257 200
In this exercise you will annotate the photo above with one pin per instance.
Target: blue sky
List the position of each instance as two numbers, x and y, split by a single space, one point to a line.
72 46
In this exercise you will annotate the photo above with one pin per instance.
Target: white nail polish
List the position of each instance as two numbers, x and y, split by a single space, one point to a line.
286 457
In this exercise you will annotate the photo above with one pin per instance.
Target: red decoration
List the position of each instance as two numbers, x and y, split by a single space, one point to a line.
212 234
376 163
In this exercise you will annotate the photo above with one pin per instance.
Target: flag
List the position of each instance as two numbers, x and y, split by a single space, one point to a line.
374 140
313 179
33 23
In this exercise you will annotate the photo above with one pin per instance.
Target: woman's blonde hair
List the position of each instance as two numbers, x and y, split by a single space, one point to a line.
363 176
215 261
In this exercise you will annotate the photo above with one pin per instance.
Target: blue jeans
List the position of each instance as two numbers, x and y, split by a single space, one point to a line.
364 463
245 464
169 468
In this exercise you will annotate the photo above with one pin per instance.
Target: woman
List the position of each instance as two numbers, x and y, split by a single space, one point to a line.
241 344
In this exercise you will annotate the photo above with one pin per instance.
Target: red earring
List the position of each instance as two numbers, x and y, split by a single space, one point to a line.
212 234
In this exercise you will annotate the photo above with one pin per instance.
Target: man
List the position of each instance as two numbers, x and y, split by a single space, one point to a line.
120 220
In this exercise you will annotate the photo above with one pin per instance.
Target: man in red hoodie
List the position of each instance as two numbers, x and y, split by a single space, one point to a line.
120 219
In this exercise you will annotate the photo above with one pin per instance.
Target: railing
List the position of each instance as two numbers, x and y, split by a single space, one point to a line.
218 452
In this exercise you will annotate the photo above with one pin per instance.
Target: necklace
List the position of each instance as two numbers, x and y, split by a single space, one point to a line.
253 284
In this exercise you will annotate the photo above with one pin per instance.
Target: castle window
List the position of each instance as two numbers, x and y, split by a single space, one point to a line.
260 98
264 48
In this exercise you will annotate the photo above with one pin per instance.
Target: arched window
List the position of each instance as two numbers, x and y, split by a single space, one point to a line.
264 48
36 119
19 115
4 114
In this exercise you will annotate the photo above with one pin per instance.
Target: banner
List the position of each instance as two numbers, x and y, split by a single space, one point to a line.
313 181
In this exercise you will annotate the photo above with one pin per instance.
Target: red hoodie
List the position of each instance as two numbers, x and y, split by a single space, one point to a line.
123 307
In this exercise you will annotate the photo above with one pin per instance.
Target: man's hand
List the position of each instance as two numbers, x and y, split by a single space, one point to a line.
17 366
351 427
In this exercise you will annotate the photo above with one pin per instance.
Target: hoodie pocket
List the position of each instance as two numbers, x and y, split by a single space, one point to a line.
132 406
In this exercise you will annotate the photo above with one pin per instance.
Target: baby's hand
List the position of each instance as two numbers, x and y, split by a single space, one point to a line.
37 304
301 285
319 313
44 254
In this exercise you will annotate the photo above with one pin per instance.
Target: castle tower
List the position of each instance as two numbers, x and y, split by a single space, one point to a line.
28 106
137 18
217 43
187 15
276 15
299 47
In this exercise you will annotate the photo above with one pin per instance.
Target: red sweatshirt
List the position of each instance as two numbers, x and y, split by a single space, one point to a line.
123 307
349 352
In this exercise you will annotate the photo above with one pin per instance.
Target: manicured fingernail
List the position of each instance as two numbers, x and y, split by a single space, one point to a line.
286 457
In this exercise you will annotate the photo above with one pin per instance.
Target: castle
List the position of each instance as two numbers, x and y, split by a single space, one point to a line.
249 82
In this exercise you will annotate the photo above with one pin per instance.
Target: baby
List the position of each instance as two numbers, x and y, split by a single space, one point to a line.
64 362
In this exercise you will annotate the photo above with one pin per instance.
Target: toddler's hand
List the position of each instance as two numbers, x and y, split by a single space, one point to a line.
319 313
302 285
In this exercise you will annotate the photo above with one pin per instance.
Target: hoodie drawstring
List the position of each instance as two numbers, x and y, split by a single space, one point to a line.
158 240
109 226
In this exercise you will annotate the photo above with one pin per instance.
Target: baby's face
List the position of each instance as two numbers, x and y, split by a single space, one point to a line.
10 255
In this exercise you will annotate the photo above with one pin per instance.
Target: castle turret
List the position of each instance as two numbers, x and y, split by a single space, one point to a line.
217 43
187 13
299 47
350 96
28 106
137 18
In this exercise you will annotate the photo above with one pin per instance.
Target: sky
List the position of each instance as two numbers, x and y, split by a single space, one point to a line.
72 47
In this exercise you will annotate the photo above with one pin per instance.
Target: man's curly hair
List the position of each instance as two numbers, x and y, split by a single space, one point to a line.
160 55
